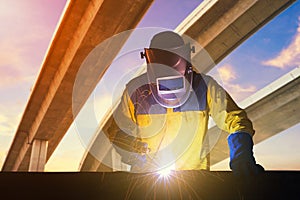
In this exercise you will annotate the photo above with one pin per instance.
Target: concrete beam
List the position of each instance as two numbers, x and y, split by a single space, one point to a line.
48 114
221 26
38 156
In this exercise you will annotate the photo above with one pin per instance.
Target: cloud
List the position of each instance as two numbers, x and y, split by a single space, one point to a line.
228 77
24 37
11 54
15 65
227 73
16 80
289 56
7 126
9 119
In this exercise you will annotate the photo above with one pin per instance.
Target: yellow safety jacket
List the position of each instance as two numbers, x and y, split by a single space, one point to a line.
175 136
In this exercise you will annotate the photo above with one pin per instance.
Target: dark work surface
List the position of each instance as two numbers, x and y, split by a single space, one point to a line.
123 185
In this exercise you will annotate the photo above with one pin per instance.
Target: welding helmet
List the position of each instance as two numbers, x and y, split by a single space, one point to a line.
169 69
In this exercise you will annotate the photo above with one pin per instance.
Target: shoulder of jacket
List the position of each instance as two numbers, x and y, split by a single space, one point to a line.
200 78
205 77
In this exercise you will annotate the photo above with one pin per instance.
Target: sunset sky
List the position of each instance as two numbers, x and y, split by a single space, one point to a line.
27 28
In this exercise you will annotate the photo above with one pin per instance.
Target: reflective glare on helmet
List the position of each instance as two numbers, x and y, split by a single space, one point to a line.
169 57
161 57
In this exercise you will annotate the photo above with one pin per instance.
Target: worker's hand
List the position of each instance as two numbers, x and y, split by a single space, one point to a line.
137 160
137 156
140 147
246 168
242 161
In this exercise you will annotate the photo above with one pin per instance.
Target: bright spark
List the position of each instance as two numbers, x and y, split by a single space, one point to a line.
166 172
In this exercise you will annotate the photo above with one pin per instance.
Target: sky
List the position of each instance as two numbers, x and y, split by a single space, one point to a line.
27 28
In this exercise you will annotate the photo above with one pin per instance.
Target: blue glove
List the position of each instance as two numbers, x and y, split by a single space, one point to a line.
242 161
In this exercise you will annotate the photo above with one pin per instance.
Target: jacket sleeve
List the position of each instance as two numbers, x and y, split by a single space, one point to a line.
225 112
120 127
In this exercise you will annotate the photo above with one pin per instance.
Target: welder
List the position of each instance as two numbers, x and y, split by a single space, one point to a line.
162 118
